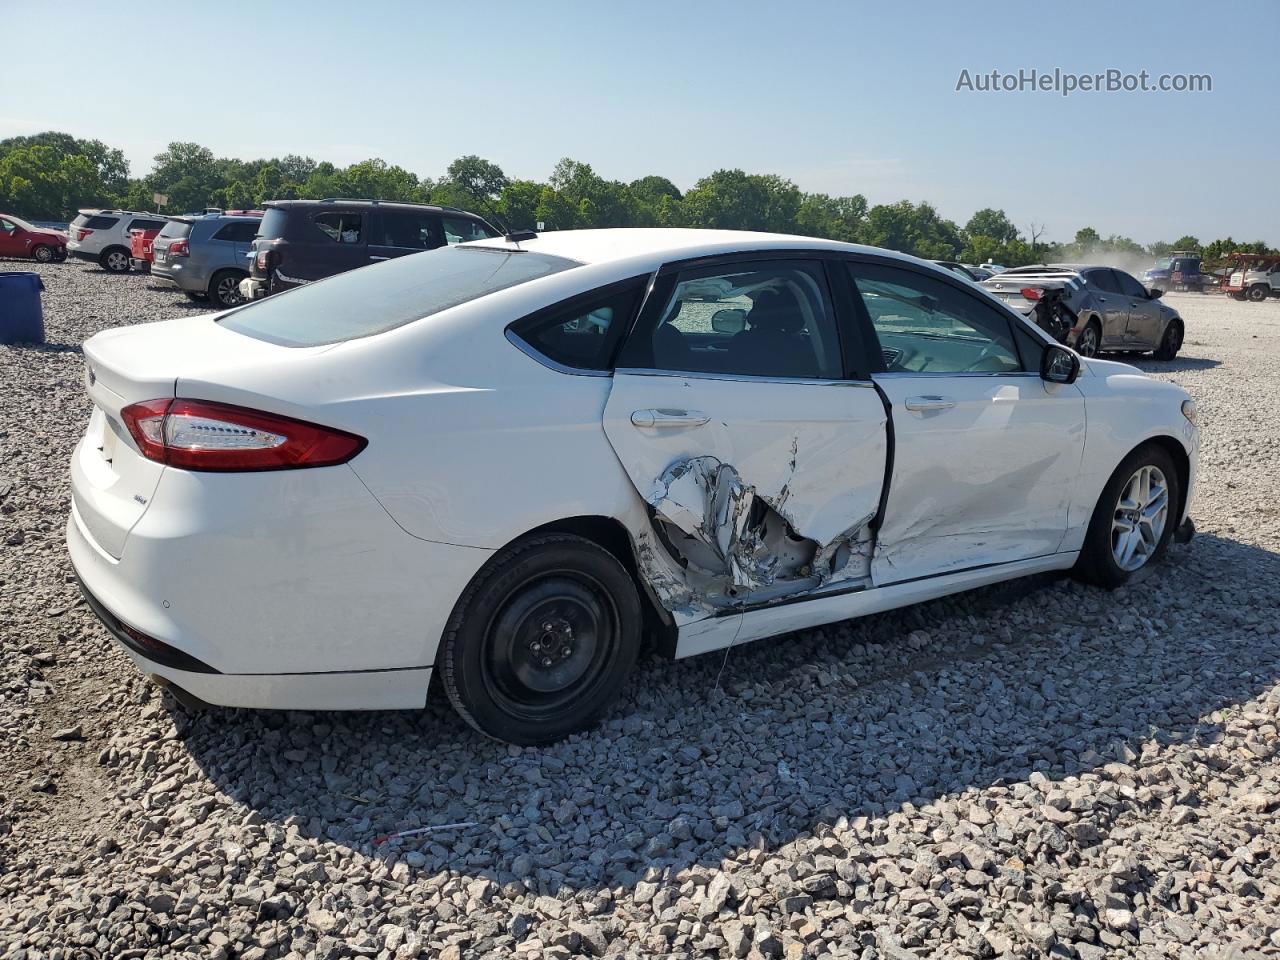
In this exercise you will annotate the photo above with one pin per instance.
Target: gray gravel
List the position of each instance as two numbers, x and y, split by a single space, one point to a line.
1033 770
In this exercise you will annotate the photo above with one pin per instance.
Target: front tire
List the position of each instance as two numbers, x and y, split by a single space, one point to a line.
1134 519
1257 293
42 254
114 260
1088 344
542 640
1171 342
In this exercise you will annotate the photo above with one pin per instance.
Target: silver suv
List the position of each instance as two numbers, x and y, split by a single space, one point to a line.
206 256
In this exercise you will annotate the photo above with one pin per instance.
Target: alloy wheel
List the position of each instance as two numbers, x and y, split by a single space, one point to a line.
117 262
43 254
1139 518
227 292
1087 345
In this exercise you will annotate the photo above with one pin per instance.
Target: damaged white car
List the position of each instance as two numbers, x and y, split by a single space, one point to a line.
507 462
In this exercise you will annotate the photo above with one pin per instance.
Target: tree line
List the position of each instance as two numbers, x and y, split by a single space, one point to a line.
48 176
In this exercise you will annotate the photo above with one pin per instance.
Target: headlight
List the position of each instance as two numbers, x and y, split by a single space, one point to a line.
1189 410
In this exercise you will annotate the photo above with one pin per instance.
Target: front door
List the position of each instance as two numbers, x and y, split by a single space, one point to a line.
1144 327
12 239
986 454
761 460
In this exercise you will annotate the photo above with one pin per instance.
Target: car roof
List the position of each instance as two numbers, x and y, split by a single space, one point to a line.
356 202
670 243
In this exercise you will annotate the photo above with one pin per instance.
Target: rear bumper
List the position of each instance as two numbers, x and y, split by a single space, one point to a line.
137 263
274 591
252 288
179 275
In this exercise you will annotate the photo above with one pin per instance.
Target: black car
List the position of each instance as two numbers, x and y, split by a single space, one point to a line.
305 240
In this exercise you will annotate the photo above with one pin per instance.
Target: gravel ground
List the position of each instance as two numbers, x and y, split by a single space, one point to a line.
1033 770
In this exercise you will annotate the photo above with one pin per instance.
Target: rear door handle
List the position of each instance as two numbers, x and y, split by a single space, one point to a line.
669 418
929 403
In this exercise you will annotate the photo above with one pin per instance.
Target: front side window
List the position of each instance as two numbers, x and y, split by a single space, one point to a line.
925 325
1129 286
338 227
361 303
583 332
463 229
1102 279
413 231
8 226
761 319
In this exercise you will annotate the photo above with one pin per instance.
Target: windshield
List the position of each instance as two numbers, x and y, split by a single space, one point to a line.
378 298
1164 263
19 222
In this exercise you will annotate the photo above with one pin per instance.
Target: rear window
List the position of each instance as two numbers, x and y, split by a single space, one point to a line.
372 300
175 228
273 223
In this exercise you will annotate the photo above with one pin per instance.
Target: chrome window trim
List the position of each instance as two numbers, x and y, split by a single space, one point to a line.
958 373
744 377
557 366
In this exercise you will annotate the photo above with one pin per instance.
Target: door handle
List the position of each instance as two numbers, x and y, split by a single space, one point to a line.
1102 299
371 257
918 404
669 418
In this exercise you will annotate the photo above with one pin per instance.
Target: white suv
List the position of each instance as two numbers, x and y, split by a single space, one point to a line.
103 235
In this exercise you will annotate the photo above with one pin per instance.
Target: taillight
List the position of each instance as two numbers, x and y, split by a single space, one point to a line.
81 234
1177 276
1030 293
265 260
201 435
179 248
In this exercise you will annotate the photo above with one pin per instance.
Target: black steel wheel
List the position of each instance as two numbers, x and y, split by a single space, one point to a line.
542 640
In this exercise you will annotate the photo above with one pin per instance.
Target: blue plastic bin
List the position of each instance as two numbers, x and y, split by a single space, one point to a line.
21 314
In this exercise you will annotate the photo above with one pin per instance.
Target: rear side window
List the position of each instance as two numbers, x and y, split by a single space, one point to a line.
462 229
176 228
239 232
274 222
338 227
582 333
99 222
361 303
411 230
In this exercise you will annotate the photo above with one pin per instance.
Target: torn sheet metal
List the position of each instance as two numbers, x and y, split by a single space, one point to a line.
729 542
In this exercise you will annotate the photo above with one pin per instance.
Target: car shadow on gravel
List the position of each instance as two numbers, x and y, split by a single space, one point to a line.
1177 365
710 755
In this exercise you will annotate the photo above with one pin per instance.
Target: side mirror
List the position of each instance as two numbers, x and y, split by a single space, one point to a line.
1154 293
729 321
1059 365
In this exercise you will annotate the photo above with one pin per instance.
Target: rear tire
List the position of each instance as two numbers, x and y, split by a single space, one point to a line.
541 641
114 260
1171 342
1088 344
1133 520
42 254
224 288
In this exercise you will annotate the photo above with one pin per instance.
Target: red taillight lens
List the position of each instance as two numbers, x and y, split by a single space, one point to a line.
81 234
265 260
1030 293
179 248
1177 276
201 435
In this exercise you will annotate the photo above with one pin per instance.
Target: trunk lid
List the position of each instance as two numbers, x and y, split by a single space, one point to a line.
112 482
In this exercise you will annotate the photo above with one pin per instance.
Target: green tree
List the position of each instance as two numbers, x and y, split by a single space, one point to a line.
836 218
916 229
736 200
994 224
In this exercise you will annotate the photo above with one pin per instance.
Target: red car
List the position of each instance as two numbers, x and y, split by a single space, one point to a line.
140 253
21 239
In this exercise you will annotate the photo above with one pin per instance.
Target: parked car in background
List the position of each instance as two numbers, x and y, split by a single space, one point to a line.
1178 271
140 253
979 274
206 256
103 236
959 269
306 240
1253 276
500 464
993 268
19 238
1113 310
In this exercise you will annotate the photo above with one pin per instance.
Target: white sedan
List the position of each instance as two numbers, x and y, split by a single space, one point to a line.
509 461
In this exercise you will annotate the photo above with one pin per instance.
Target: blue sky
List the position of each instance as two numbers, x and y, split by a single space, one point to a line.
839 97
